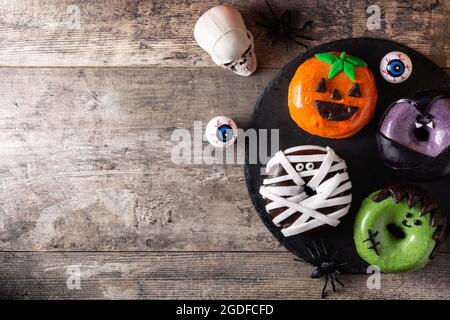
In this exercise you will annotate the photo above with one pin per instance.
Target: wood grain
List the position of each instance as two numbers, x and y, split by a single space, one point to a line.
86 161
214 275
160 32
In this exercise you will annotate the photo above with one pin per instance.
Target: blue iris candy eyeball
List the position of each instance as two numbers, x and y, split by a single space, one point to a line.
396 67
221 132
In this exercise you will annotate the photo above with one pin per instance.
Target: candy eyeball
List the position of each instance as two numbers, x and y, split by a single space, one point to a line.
221 132
396 67
309 166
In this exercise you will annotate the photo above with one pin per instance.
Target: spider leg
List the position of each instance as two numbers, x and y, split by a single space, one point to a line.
286 18
304 37
272 34
313 256
334 255
263 24
337 279
332 282
299 43
264 17
307 24
325 287
271 10
273 41
319 253
325 251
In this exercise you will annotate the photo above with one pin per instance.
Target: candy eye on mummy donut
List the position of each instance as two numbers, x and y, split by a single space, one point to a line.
396 67
301 166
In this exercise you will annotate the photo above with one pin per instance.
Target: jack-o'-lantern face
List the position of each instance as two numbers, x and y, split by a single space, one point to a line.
332 95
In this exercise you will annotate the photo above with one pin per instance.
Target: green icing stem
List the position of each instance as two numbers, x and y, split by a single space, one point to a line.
344 62
395 255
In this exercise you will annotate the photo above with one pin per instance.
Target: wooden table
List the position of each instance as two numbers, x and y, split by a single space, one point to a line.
91 92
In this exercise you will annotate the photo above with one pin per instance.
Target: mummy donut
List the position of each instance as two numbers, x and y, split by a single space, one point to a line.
414 136
221 131
396 67
399 228
307 187
332 95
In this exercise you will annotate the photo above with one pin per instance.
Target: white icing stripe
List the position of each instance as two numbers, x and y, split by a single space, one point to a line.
335 201
306 173
293 230
346 186
275 205
338 166
295 199
307 158
285 190
289 169
276 179
324 190
299 208
302 148
323 170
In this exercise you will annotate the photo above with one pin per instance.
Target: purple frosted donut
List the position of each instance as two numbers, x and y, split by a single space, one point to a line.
414 136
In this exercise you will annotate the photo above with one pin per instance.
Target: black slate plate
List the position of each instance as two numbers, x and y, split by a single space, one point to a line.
366 170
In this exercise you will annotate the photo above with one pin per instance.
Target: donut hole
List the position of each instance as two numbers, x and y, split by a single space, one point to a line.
309 192
395 231
422 133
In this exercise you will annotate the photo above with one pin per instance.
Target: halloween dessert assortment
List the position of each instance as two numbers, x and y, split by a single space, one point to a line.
396 67
307 187
304 194
399 228
332 95
222 33
414 136
221 132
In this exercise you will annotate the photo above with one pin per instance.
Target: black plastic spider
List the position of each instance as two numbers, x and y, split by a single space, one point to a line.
281 28
326 266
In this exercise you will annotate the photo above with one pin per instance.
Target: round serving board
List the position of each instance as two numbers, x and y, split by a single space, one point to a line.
366 170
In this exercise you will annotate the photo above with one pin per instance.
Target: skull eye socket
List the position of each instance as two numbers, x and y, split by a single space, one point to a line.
355 91
246 52
321 86
235 62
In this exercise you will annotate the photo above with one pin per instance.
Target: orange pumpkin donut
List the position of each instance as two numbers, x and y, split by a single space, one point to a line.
332 95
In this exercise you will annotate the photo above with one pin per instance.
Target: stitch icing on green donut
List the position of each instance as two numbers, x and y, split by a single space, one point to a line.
398 228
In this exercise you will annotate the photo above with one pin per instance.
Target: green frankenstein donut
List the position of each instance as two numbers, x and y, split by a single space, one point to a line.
399 228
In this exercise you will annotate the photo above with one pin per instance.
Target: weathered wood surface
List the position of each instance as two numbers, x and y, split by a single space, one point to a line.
86 161
128 33
85 171
251 275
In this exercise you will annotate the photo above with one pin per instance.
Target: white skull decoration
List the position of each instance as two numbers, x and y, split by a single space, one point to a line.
222 33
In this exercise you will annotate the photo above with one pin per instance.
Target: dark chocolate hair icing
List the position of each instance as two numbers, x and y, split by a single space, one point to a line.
415 195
